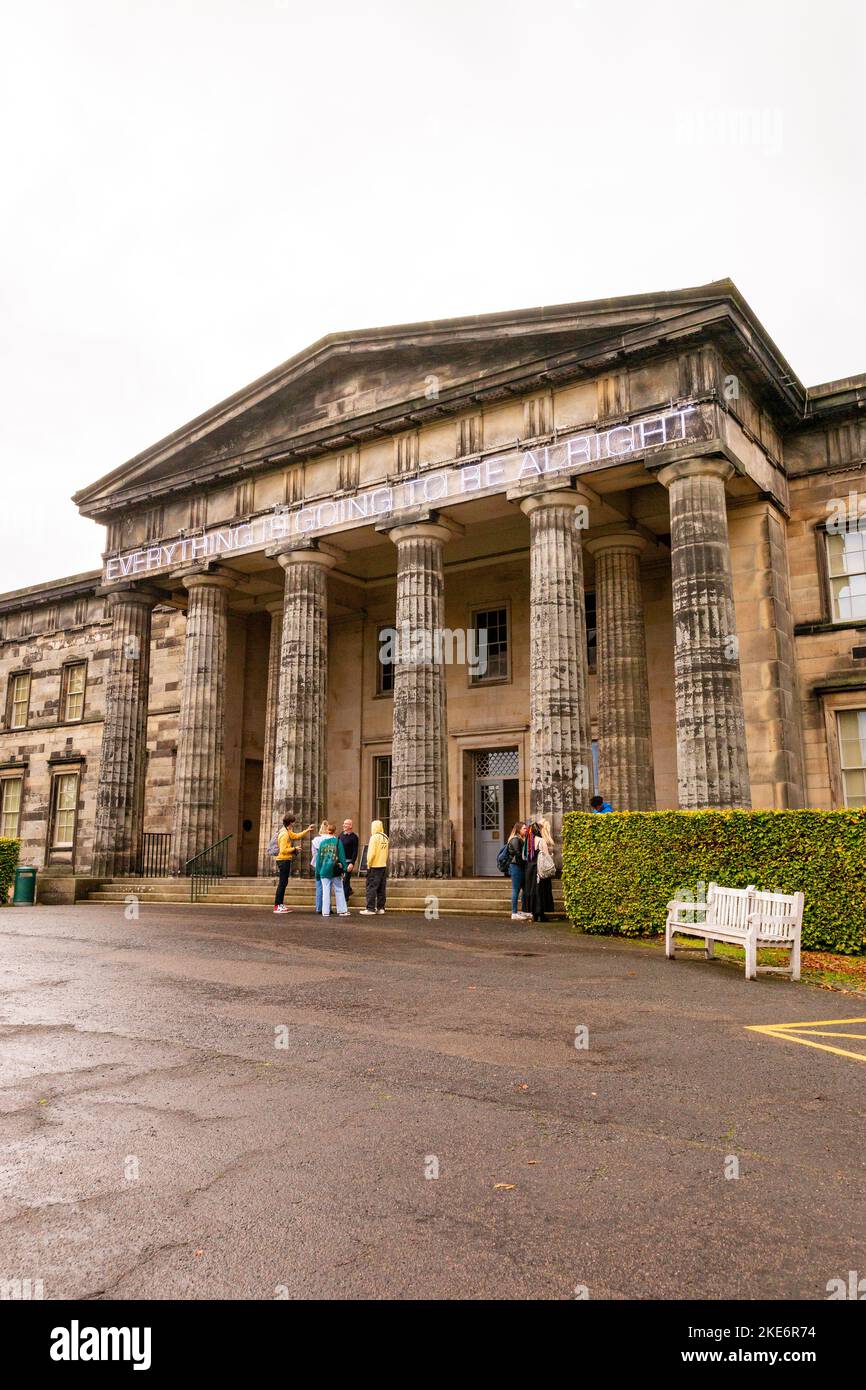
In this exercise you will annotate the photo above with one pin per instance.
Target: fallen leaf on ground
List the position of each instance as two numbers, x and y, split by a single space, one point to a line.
504 1186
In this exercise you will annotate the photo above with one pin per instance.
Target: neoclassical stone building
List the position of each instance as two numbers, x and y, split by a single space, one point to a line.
448 573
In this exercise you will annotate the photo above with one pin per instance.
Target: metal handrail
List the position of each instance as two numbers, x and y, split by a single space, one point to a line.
154 858
206 868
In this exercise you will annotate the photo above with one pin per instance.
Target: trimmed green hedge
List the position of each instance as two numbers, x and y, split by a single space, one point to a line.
620 870
9 853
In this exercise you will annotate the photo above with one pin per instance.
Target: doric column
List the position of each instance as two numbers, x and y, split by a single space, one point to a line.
625 751
420 830
198 799
301 754
712 765
272 704
120 796
560 743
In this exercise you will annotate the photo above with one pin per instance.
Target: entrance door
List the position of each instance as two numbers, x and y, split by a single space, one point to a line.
497 790
248 849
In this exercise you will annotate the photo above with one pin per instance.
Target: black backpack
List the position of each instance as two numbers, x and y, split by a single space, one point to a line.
503 860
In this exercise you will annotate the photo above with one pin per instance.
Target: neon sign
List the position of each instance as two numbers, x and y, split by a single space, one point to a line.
455 483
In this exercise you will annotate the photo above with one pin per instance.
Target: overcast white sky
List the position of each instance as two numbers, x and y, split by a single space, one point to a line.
192 191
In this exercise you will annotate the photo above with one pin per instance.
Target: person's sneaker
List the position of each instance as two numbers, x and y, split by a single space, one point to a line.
344 914
517 916
381 912
365 912
282 909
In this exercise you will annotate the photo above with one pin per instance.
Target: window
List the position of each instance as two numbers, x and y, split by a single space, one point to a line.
852 755
382 791
72 703
65 808
10 807
384 668
491 650
846 564
591 628
19 702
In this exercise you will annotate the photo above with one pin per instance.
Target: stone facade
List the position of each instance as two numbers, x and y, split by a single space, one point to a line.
646 535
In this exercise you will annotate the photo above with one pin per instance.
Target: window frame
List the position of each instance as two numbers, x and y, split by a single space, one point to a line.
374 785
7 779
480 682
63 715
15 676
824 536
379 692
59 775
838 712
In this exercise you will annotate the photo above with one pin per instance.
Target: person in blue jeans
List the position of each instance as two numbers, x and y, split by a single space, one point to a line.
517 871
330 867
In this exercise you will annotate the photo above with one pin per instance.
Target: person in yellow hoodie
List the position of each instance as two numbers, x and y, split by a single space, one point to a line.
377 870
285 854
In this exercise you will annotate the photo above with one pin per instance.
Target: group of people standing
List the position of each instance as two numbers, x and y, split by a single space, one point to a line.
531 865
334 859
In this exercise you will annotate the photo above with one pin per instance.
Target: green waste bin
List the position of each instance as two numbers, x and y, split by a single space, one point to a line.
25 886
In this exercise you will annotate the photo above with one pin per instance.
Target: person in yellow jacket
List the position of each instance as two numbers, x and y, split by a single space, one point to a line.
377 870
285 854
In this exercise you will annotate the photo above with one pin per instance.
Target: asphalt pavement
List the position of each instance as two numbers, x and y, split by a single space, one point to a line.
216 1102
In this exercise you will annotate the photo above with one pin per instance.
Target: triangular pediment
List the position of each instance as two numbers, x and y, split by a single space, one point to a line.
354 386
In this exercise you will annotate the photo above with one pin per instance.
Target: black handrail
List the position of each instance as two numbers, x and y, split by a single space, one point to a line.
207 868
154 859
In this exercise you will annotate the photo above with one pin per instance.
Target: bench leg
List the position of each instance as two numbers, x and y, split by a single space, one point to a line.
751 958
795 960
710 947
669 940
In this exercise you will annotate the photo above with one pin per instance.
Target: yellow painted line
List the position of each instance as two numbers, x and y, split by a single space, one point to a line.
813 1023
787 1032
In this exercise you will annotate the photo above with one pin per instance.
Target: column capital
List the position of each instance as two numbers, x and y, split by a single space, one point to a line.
132 593
421 524
622 539
698 466
206 577
536 493
306 552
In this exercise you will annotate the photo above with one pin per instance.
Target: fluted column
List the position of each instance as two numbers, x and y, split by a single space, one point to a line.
560 743
300 782
625 751
198 802
420 828
712 764
120 795
272 704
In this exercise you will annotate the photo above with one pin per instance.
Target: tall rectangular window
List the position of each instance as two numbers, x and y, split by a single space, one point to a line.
491 649
382 791
65 809
10 807
19 702
384 664
591 627
852 755
846 565
72 703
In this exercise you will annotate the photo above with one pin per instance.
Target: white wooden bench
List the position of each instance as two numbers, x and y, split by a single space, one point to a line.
742 917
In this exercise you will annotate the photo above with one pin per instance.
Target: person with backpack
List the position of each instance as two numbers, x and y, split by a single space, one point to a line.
511 857
285 853
314 850
377 870
330 867
538 856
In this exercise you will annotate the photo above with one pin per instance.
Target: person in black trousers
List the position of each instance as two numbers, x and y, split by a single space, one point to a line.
349 841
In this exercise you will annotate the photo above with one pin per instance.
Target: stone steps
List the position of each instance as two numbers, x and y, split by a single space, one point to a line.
472 896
